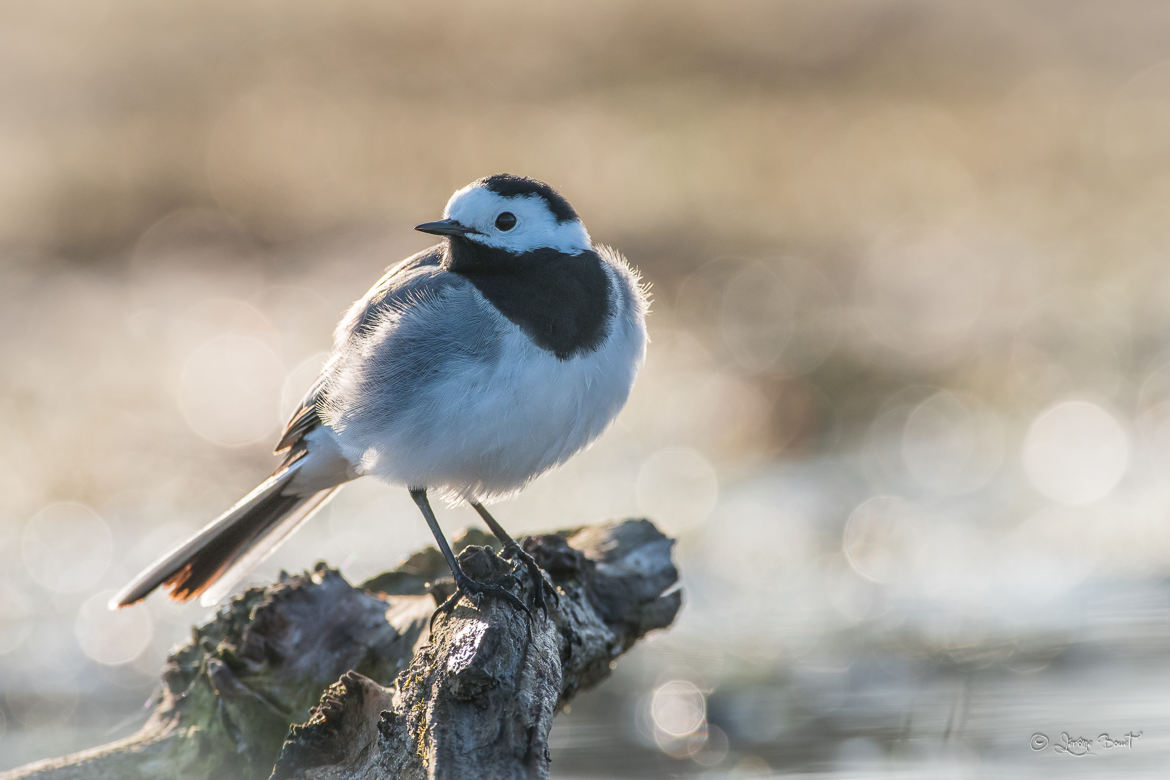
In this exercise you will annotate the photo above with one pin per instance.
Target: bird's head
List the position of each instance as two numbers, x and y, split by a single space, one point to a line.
512 213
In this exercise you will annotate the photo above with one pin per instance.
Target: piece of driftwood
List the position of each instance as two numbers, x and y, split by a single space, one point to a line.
476 699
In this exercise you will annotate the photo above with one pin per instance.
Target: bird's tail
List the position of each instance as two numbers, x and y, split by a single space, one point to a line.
213 560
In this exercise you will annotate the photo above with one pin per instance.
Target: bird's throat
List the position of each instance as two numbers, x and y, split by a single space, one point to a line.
561 301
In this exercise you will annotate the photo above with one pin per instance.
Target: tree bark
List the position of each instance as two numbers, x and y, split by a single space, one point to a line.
475 699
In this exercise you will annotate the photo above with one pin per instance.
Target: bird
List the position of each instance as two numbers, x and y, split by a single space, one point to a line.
466 371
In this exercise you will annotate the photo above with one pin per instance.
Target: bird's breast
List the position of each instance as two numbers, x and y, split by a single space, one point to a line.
562 302
457 393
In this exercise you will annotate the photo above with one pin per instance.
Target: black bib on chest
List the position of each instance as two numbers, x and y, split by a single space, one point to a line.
561 301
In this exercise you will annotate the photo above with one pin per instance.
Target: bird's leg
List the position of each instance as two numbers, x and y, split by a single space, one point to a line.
464 585
514 550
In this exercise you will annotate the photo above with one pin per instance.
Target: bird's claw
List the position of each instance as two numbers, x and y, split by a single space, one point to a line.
540 579
475 590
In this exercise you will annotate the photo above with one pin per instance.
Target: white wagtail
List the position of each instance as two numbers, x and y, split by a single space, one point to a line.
469 368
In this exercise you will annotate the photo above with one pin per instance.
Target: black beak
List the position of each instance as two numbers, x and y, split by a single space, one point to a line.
444 227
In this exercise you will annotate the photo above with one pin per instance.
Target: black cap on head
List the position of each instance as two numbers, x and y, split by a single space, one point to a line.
506 184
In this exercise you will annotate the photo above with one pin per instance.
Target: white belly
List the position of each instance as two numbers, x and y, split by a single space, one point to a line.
491 427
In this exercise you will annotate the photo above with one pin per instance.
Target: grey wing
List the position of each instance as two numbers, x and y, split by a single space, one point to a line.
303 420
399 282
397 365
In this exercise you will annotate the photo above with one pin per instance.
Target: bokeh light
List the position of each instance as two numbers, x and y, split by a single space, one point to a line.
678 708
16 610
952 444
677 483
66 547
756 317
879 537
922 293
1075 452
112 638
227 387
678 715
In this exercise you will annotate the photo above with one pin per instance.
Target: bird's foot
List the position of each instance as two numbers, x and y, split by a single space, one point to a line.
475 590
540 578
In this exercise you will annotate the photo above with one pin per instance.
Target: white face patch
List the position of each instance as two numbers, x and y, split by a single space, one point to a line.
475 206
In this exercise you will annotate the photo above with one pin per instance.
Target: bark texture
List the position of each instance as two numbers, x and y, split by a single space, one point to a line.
476 699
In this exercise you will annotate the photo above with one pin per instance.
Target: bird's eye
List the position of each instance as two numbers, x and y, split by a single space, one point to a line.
506 220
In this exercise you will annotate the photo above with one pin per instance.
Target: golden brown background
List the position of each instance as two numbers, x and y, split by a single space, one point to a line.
907 406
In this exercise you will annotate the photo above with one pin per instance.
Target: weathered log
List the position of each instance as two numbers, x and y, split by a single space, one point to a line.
475 700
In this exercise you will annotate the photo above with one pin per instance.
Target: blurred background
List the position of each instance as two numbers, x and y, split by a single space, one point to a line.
906 409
